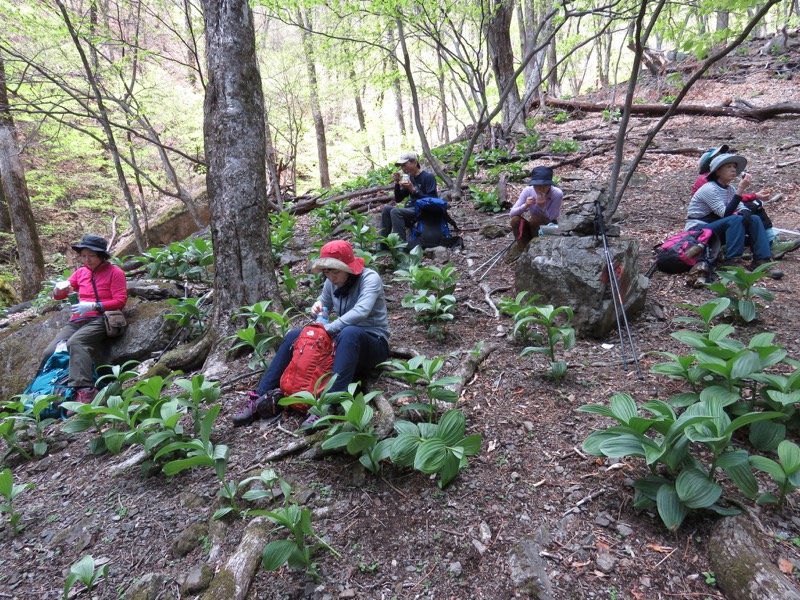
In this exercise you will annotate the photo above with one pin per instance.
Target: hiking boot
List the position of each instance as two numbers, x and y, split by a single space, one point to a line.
248 414
309 422
781 249
771 272
86 395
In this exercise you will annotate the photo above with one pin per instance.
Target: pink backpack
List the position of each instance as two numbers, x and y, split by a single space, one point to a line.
681 251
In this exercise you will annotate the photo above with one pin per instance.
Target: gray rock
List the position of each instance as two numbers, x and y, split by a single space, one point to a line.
148 587
624 530
606 562
485 532
529 571
602 521
189 539
197 580
571 271
454 570
479 547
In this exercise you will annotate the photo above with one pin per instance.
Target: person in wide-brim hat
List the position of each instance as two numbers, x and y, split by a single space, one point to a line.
538 204
338 255
94 243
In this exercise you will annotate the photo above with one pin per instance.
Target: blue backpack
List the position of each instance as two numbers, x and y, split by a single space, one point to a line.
51 380
432 224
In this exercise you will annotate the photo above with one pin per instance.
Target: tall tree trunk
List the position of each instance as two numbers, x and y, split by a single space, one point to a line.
106 124
398 93
316 112
5 216
235 142
272 169
12 180
445 128
362 120
191 49
498 36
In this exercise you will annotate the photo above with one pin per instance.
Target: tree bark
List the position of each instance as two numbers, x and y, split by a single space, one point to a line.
498 36
316 112
15 188
234 137
5 216
362 119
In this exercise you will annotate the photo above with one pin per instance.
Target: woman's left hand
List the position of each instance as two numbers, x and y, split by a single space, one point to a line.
81 308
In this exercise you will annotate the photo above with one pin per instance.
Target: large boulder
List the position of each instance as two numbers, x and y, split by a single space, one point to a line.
571 271
21 345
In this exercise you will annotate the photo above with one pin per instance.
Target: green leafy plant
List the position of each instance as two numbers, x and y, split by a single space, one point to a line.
184 261
264 333
421 373
190 314
486 202
432 295
295 551
785 472
706 312
738 285
433 448
561 117
85 572
519 308
611 116
529 143
354 432
296 290
557 329
327 221
198 394
564 146
9 491
689 485
281 232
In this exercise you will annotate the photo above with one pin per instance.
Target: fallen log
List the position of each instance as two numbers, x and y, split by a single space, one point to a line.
232 581
741 567
753 113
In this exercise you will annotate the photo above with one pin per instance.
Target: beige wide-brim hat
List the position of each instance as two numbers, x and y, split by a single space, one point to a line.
724 159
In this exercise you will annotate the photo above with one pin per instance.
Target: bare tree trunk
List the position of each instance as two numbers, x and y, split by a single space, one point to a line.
362 120
272 169
398 93
445 136
106 124
235 143
498 36
92 33
191 53
316 112
5 216
12 180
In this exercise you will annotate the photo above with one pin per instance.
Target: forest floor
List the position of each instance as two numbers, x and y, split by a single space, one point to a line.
398 534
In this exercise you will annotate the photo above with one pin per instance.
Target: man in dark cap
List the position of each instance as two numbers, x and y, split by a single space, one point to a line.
413 183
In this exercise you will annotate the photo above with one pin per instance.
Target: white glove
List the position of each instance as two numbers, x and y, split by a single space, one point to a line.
63 285
81 308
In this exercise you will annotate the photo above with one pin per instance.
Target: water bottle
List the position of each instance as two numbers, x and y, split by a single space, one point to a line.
324 316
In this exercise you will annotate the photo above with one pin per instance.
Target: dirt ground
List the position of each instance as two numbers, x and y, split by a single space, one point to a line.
398 534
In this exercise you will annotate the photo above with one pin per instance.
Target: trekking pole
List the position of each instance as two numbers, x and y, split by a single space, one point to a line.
616 293
494 257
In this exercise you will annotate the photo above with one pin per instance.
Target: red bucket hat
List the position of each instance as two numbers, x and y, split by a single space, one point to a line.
338 254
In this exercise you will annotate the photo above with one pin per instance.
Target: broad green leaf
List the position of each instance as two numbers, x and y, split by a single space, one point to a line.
695 489
769 466
449 470
789 453
451 427
623 406
84 568
404 449
766 435
622 445
670 508
431 455
471 444
276 554
737 466
360 442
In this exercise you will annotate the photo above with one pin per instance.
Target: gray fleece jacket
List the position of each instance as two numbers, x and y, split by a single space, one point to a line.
364 306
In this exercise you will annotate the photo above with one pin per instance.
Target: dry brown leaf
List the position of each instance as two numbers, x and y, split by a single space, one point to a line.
601 546
662 549
786 566
578 565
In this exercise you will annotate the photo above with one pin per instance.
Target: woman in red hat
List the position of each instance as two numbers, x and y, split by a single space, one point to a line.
361 330
100 286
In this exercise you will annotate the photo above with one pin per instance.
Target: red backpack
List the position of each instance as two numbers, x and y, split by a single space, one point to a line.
312 358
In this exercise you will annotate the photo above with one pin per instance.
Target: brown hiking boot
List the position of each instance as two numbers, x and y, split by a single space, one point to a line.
771 272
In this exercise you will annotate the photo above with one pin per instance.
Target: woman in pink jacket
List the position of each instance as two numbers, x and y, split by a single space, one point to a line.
100 286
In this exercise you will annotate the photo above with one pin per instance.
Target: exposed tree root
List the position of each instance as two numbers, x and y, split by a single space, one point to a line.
232 581
470 365
741 567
